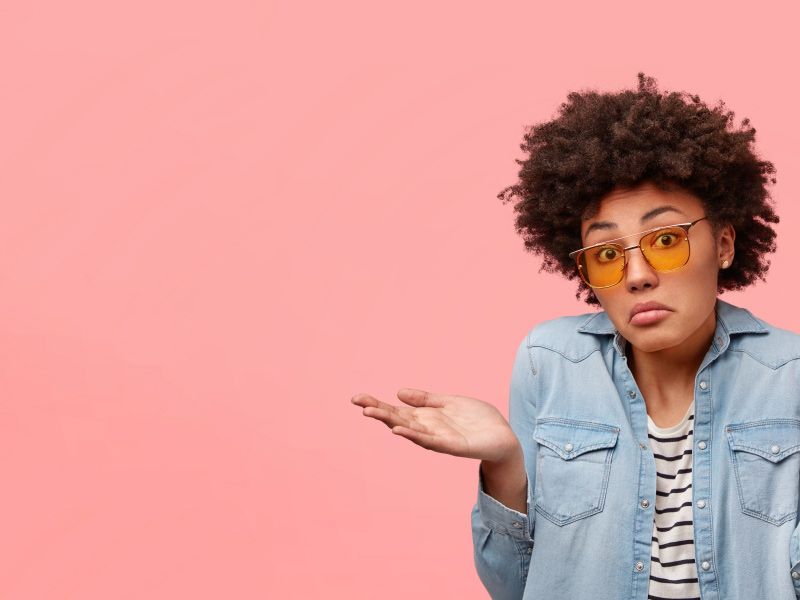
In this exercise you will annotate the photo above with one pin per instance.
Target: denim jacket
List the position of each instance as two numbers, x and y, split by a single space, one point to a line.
581 419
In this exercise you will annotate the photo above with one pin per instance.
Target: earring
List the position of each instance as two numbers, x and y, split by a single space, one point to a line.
724 264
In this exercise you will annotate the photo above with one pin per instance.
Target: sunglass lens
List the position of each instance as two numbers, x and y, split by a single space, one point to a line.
602 266
666 249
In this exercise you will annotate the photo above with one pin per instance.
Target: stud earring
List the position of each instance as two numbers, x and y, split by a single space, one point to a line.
724 264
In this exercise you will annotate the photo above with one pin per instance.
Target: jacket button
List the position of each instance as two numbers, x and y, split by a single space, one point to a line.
517 524
569 447
706 565
632 394
701 445
639 565
645 503
795 575
703 385
775 449
701 504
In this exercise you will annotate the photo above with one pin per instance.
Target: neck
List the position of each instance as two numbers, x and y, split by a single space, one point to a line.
672 370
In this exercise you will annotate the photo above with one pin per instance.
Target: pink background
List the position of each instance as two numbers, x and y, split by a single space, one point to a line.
220 221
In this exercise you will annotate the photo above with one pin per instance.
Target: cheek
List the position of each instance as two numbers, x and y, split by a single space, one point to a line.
702 271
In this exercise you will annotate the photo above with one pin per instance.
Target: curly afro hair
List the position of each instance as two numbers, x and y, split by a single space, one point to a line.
601 141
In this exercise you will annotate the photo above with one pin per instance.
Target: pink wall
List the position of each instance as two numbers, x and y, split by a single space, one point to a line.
220 221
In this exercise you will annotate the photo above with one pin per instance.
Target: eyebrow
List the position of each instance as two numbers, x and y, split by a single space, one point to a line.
607 225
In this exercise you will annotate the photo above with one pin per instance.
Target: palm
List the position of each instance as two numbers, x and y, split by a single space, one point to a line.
450 424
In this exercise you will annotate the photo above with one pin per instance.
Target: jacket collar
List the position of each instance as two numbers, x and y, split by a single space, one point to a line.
734 319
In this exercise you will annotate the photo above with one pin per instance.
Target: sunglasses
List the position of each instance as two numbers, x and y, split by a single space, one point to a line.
664 248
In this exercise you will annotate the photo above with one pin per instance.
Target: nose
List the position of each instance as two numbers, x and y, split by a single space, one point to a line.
638 272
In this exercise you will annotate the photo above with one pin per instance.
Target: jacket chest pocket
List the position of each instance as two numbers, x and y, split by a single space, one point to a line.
766 462
573 463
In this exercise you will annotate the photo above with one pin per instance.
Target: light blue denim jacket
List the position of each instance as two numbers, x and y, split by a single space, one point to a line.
582 423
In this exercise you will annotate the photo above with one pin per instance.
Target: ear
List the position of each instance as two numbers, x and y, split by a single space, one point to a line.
725 239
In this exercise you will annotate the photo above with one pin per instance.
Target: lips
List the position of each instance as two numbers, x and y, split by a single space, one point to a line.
648 306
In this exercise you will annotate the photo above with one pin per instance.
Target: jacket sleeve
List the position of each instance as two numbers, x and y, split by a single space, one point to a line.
502 538
794 559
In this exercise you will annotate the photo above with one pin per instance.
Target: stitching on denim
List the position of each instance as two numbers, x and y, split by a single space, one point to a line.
567 519
580 424
742 504
735 464
749 328
503 530
710 488
636 580
562 520
503 506
531 363
763 422
576 425
580 450
762 361
561 353
767 455
522 548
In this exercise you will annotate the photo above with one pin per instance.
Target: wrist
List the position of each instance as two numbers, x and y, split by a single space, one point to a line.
509 457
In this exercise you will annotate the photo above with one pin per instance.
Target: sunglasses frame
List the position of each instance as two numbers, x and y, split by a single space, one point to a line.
576 254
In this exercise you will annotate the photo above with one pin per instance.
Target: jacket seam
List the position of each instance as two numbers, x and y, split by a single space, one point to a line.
560 353
711 395
761 360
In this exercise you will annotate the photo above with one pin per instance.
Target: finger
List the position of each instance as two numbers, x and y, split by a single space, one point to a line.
390 418
416 397
365 400
418 437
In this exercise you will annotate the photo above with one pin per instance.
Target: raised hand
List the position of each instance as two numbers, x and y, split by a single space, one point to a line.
450 424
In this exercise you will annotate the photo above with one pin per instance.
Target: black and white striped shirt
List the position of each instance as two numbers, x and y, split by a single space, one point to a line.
673 572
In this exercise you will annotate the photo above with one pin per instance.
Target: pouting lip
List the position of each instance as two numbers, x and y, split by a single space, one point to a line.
642 306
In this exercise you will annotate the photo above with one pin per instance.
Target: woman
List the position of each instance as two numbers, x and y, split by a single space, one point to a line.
652 448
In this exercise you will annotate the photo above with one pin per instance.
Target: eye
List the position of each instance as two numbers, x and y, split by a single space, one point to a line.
665 239
606 254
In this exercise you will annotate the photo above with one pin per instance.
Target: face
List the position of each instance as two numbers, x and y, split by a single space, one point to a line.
689 292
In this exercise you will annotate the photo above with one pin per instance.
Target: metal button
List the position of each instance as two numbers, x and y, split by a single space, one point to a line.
703 385
517 524
645 503
569 447
775 449
701 504
641 445
701 445
632 394
706 565
530 550
639 565
795 575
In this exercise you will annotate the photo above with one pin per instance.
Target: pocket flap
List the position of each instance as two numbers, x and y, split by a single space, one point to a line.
773 439
571 438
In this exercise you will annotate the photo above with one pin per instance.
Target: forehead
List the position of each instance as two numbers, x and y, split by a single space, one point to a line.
630 210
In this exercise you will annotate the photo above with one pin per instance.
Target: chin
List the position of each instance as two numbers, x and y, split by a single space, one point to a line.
652 340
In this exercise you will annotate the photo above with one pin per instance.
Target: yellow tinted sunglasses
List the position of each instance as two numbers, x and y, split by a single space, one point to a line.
664 248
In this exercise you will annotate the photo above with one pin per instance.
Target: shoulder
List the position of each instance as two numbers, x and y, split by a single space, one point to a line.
573 337
767 343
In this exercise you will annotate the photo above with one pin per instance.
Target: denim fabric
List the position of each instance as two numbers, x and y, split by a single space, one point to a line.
582 423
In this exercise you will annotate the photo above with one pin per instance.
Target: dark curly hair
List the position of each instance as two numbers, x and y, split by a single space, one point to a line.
602 141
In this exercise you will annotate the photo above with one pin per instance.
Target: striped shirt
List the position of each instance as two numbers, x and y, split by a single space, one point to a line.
673 572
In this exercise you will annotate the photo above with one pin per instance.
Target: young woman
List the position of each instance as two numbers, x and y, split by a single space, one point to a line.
652 449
